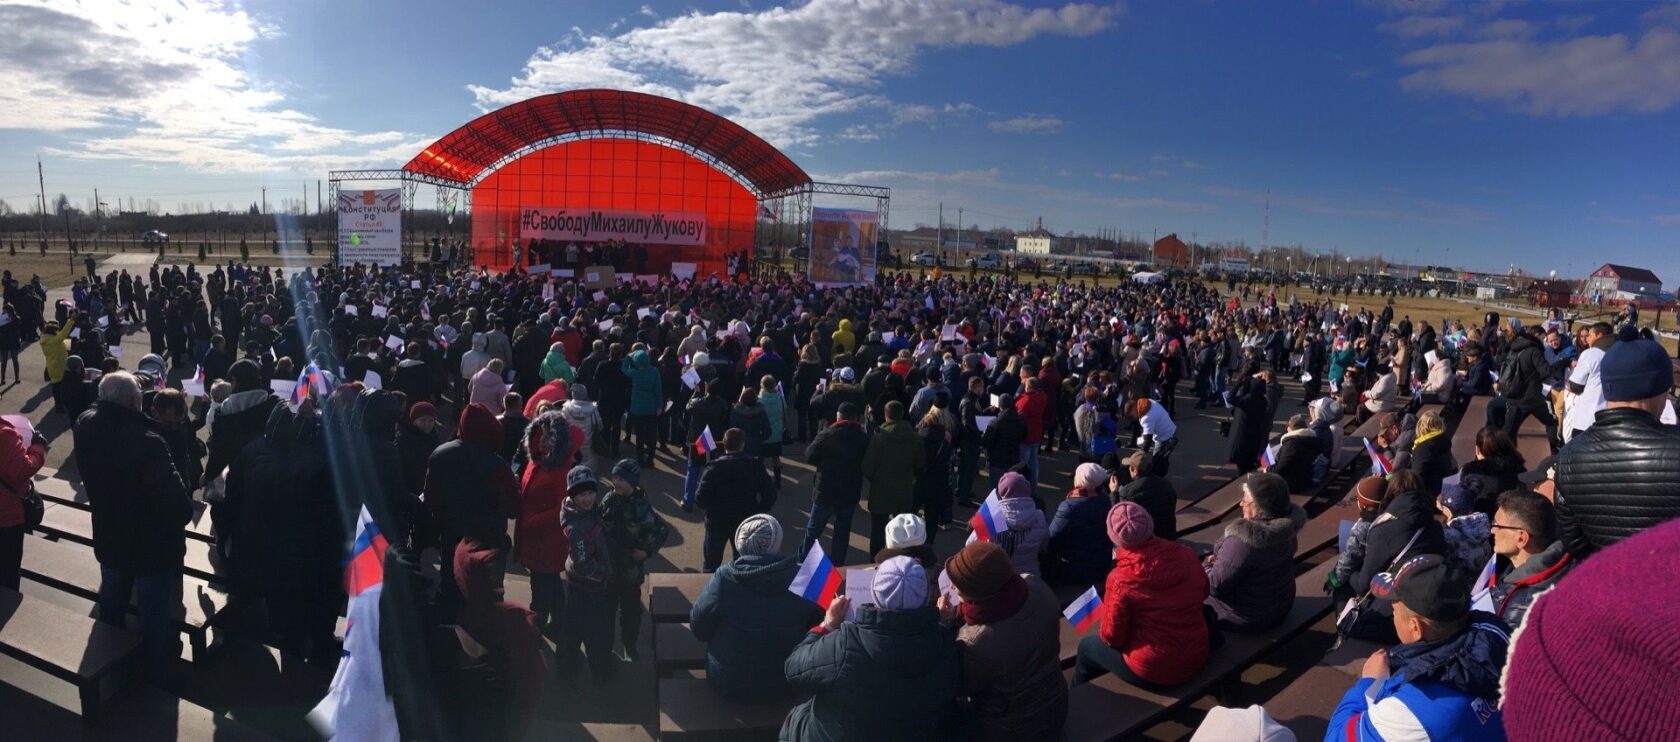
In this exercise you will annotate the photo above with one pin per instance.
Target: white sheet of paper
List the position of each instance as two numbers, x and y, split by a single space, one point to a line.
1346 609
539 268
414 284
104 322
858 582
605 325
115 351
562 272
599 296
948 332
947 589
394 343
691 378
888 337
283 388
643 312
193 387
984 421
1430 357
351 310
76 333
682 270
25 429
473 286
626 278
996 401
379 310
372 380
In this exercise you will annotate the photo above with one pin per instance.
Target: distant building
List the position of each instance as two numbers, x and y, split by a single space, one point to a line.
1170 252
1550 293
1037 242
1613 283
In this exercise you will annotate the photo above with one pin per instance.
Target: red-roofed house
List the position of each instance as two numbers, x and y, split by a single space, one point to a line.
1171 252
1620 283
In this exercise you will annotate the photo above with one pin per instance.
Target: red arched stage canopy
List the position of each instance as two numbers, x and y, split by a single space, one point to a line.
565 169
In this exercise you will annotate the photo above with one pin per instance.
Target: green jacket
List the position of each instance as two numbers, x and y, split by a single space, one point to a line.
894 457
554 366
647 389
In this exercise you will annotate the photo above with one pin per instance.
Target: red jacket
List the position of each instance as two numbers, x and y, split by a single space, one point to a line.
1032 406
1152 611
17 469
539 540
1050 382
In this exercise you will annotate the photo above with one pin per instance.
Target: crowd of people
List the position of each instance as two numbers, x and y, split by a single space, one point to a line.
453 404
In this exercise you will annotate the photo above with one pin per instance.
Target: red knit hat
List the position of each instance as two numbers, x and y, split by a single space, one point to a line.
1596 657
478 426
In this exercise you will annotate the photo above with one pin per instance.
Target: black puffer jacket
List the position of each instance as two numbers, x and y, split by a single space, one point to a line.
889 675
1522 372
837 453
1407 513
139 503
1295 456
1491 476
288 538
1616 479
1433 462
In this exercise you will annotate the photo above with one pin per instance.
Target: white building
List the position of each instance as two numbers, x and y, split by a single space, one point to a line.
1036 242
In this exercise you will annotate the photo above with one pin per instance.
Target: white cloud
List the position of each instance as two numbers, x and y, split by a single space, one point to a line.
1572 22
777 71
859 133
1119 175
922 113
163 81
1583 76
1671 220
1029 124
1192 165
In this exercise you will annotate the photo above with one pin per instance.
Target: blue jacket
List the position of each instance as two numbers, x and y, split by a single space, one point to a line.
1446 689
647 390
750 622
890 675
1079 551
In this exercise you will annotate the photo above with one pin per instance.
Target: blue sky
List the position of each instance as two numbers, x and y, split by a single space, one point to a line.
1484 134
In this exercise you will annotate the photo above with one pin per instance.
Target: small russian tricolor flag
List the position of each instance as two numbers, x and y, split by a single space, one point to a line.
704 444
1268 458
1084 609
366 566
817 581
1379 463
988 521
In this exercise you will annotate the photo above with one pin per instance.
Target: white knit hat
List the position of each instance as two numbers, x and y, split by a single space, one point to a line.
900 585
906 530
1251 724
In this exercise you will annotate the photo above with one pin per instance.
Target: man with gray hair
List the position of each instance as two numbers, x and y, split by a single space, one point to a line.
140 512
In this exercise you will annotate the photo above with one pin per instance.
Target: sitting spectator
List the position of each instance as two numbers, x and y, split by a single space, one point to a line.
1326 422
507 633
1622 475
1078 553
747 617
1495 469
1026 530
1407 525
907 536
1442 681
1008 639
1525 533
1371 495
1437 388
1252 724
1383 396
1468 542
1395 436
1432 457
888 675
1250 574
1153 631
1478 379
1297 454
1595 659
1154 493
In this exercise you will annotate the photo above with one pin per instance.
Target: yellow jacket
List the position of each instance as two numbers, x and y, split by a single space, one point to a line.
57 352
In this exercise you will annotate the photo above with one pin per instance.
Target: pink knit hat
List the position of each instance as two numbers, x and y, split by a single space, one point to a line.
1596 657
1129 525
1091 477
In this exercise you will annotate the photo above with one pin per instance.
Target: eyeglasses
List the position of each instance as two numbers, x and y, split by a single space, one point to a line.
1507 528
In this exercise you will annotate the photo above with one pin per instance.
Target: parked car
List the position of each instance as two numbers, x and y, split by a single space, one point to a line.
986 261
1023 264
925 259
153 237
799 253
1082 268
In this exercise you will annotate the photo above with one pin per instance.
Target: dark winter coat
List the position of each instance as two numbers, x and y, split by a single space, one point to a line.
140 505
1619 477
1515 588
1011 672
709 411
1002 439
1490 477
733 487
891 463
1406 514
1296 454
1158 498
1523 371
750 623
1079 551
632 525
1251 423
889 675
1432 461
415 448
240 419
753 421
837 453
288 538
933 482
1251 577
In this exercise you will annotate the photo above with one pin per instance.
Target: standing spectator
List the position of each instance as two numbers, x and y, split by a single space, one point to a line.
933 482
513 423
749 416
11 343
732 487
1251 423
588 575
969 411
634 535
1586 382
239 420
414 379
1153 632
706 412
140 512
894 457
1007 636
581 414
417 438
1250 574
1031 405
647 394
171 421
470 493
507 632
837 454
1525 533
555 366
18 465
1002 439
488 389
775 411
53 348
748 619
539 538
888 675
1622 475
1442 680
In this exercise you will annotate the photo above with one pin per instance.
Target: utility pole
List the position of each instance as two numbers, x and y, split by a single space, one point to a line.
98 219
959 230
42 179
939 232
